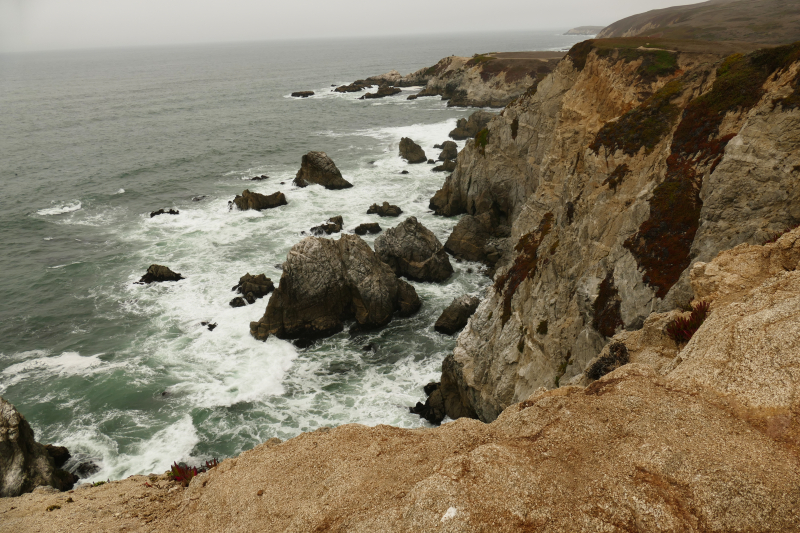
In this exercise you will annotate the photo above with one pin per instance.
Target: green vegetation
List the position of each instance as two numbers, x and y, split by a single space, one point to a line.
525 264
615 178
481 140
655 64
579 54
616 357
644 126
479 59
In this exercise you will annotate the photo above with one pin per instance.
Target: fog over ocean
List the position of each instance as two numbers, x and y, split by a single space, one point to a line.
92 141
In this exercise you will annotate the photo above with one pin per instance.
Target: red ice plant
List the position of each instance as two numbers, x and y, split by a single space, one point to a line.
682 329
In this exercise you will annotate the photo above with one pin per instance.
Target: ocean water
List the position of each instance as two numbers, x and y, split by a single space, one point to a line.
92 141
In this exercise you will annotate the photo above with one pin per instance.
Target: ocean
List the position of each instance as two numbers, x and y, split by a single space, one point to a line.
92 141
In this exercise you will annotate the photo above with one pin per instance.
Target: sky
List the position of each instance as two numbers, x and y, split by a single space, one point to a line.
27 25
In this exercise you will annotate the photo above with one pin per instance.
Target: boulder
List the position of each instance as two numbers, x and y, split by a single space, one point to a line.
358 85
433 408
252 288
302 94
158 274
333 225
317 167
469 128
478 238
384 210
371 227
253 200
447 166
411 151
449 151
326 282
456 315
383 92
24 463
164 212
413 251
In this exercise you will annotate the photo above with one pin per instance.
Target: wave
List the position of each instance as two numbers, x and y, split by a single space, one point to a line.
60 209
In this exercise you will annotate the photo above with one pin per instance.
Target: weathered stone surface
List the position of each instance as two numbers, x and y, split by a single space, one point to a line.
252 288
413 251
333 225
326 282
164 212
478 238
447 166
433 408
411 151
317 167
384 210
449 150
369 227
24 463
302 94
257 201
158 274
382 92
456 315
467 128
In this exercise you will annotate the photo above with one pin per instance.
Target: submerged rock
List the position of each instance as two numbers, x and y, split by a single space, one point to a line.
411 151
413 251
24 463
158 274
383 92
252 288
302 94
317 167
384 210
326 282
253 200
334 225
259 178
469 128
371 227
456 315
164 212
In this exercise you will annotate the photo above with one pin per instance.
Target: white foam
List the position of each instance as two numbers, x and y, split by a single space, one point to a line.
121 191
61 208
65 364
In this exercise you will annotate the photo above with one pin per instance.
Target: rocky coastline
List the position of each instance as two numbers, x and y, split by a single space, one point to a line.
632 366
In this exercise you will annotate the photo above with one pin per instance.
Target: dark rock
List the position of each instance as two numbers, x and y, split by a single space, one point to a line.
334 225
413 251
404 172
371 227
447 166
384 210
317 167
86 469
411 151
199 198
24 463
358 85
455 317
469 128
431 162
257 201
164 212
210 325
616 357
368 348
449 150
259 178
238 302
412 97
383 92
304 343
253 287
326 282
478 238
59 454
158 274
433 409
302 94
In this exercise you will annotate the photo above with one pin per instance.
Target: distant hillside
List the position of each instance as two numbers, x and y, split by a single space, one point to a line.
756 21
585 30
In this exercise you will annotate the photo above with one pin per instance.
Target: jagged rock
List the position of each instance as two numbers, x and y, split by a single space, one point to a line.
326 282
24 463
481 238
302 94
318 168
411 151
164 212
433 408
199 198
210 325
257 201
238 302
371 227
86 469
334 225
60 454
449 150
413 251
383 92
356 86
259 178
158 274
456 315
447 166
469 128
252 288
384 210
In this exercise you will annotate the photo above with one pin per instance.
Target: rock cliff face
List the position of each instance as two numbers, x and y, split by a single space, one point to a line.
624 168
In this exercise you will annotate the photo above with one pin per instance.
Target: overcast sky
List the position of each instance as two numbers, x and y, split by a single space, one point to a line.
56 24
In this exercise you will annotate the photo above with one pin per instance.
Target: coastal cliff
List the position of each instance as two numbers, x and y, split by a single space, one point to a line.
624 168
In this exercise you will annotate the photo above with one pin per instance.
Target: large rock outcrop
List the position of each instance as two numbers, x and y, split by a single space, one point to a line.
616 176
456 315
467 128
317 167
259 202
24 463
413 251
326 282
411 151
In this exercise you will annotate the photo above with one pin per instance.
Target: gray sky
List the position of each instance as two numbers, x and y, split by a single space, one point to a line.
55 24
